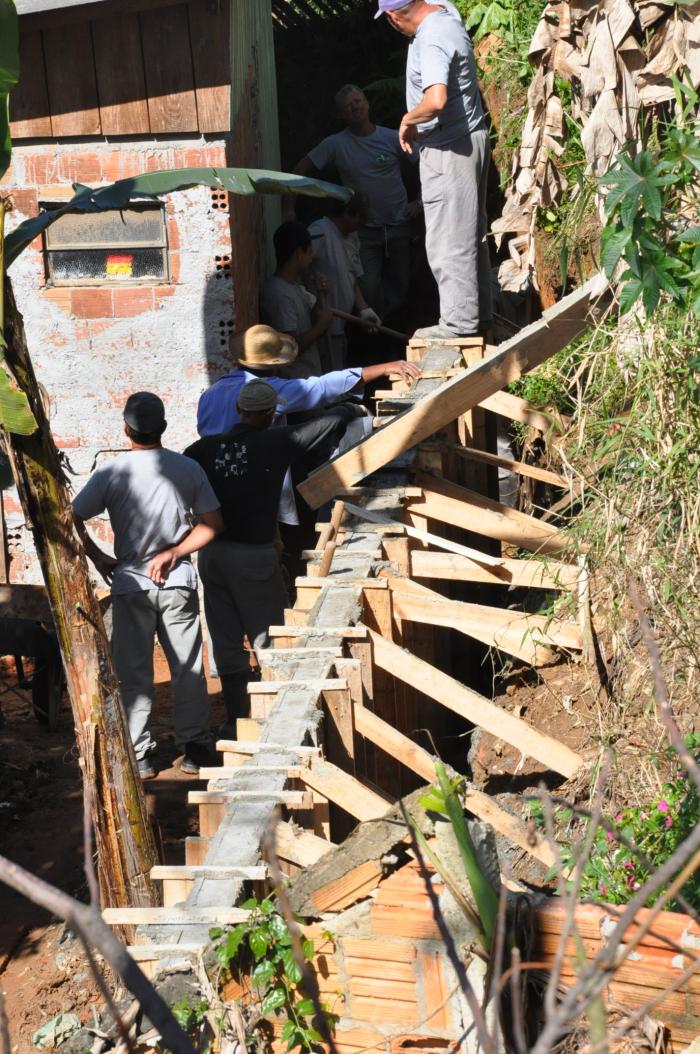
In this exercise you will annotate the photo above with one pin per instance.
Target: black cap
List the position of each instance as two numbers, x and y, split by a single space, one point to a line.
144 412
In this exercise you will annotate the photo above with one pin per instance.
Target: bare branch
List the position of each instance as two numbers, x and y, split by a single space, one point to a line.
88 862
5 1045
88 924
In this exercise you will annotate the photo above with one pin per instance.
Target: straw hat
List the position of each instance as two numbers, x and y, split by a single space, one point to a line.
263 348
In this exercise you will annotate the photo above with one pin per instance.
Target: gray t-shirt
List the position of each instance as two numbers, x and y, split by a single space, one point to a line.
287 306
370 164
441 53
150 496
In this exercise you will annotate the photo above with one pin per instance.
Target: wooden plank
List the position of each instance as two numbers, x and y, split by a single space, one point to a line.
357 632
227 772
25 601
145 953
514 409
284 797
340 736
222 916
196 850
121 83
421 604
71 84
430 539
511 360
450 503
333 580
300 847
474 707
167 58
346 791
420 761
210 42
250 747
29 101
329 684
532 574
252 873
523 469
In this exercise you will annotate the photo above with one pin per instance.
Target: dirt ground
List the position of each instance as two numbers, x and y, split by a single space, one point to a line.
42 969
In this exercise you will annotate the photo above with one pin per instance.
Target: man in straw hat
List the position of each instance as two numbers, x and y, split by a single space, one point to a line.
244 592
262 351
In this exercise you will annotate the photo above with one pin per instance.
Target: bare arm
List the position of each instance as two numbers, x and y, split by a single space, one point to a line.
104 563
408 371
305 167
212 523
433 101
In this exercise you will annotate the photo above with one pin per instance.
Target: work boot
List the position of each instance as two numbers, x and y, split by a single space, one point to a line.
198 755
440 332
146 770
234 687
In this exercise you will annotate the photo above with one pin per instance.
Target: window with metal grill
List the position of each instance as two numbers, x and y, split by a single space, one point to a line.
115 247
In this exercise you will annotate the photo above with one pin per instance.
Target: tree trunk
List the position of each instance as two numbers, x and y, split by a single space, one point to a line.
123 836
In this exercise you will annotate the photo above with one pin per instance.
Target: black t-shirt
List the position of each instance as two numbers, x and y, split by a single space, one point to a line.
246 468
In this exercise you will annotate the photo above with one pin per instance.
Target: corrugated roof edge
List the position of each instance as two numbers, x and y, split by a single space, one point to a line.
33 7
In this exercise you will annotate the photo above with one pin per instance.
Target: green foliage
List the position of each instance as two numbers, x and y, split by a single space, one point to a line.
443 799
653 215
165 181
613 873
262 948
190 1013
9 76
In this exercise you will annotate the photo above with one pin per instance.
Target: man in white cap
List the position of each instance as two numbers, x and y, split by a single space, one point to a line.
151 495
446 118
244 592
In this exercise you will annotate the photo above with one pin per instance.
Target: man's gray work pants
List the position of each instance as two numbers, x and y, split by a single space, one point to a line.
385 253
453 184
244 595
173 616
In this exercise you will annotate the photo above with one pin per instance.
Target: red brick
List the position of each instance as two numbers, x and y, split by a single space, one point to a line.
437 1013
174 260
163 294
92 303
80 168
128 302
25 201
58 295
121 164
173 234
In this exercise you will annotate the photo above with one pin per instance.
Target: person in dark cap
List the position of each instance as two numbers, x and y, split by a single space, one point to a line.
150 495
244 592
288 306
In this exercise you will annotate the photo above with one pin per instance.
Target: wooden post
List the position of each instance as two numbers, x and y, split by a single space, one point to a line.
125 844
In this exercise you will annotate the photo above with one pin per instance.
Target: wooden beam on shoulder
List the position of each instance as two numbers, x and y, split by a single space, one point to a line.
527 349
474 707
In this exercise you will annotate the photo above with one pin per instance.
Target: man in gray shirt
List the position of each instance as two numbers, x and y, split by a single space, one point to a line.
151 495
368 157
446 118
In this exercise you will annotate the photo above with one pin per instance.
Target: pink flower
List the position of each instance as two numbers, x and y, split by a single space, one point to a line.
669 821
619 817
610 836
629 864
602 889
663 806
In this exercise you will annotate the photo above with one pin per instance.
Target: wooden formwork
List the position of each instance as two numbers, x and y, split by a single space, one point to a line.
359 663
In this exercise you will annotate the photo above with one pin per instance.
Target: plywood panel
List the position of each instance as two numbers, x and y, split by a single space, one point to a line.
29 102
209 30
70 77
169 78
121 84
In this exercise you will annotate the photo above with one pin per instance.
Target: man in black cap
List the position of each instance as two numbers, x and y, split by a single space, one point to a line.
151 495
243 588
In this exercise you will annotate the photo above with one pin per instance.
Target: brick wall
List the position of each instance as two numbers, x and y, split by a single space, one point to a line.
93 345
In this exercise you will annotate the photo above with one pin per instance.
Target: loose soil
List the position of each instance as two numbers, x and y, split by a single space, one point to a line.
43 971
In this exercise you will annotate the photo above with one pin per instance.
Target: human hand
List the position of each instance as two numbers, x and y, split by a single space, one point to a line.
407 371
370 315
414 208
322 284
325 319
407 135
161 565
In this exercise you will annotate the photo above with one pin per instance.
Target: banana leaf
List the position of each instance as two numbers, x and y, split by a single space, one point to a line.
15 413
9 75
152 184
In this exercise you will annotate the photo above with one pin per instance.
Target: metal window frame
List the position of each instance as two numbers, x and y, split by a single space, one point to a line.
162 244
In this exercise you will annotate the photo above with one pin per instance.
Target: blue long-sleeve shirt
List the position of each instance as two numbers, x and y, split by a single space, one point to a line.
217 410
